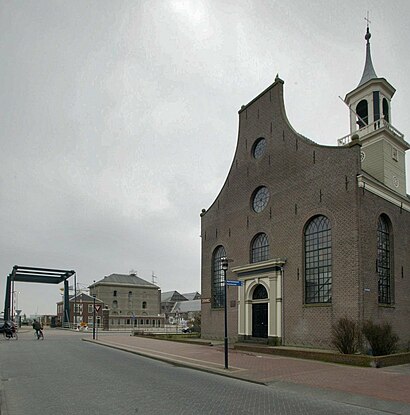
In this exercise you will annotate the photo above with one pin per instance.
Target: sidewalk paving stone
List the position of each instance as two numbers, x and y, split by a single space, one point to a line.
387 384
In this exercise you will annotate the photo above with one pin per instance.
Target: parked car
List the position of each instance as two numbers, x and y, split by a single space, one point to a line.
186 330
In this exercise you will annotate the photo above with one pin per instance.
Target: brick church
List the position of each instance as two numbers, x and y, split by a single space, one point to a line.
313 233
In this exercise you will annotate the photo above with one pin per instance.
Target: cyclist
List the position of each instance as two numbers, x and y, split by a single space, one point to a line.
37 327
9 330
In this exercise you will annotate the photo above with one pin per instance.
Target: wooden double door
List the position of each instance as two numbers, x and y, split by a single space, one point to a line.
260 320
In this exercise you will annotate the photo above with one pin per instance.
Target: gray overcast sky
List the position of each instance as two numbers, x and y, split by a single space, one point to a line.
119 119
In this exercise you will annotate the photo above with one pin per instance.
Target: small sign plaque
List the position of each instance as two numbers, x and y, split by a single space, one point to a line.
234 283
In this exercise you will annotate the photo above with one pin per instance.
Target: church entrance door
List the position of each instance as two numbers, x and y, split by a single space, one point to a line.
260 320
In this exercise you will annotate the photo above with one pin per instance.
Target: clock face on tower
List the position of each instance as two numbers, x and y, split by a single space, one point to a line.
260 199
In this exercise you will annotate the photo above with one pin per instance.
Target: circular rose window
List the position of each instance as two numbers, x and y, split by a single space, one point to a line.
260 199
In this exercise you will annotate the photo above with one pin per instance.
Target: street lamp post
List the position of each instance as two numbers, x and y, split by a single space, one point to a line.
225 268
94 295
75 326
11 316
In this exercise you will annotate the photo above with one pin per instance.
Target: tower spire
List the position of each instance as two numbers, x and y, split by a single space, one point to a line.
368 72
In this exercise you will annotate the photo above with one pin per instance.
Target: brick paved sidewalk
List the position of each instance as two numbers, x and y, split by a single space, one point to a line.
389 384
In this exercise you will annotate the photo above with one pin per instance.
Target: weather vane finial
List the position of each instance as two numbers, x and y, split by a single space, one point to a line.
367 19
368 35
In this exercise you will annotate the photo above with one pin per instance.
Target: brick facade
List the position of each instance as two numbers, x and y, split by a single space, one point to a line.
84 313
304 179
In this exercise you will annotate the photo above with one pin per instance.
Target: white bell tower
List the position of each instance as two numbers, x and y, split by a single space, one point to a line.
383 146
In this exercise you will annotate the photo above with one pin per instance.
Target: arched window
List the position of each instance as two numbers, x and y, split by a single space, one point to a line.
386 109
259 293
384 260
318 261
217 287
115 304
144 304
260 248
114 293
363 113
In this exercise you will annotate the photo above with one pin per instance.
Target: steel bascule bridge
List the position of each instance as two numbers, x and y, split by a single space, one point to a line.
42 276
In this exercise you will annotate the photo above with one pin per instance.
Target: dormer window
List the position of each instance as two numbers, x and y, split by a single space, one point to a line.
362 112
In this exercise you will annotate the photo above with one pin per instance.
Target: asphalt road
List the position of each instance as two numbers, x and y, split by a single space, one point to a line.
64 375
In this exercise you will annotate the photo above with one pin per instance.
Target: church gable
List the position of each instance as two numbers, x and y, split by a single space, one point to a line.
270 153
299 223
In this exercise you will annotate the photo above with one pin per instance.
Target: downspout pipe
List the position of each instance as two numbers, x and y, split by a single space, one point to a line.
282 305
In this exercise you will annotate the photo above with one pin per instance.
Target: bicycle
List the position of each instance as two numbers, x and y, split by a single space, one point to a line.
39 334
10 334
9 331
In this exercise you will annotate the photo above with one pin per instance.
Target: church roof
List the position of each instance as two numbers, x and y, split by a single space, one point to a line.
368 71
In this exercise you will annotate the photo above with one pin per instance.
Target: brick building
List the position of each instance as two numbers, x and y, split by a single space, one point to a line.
313 232
131 300
84 310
